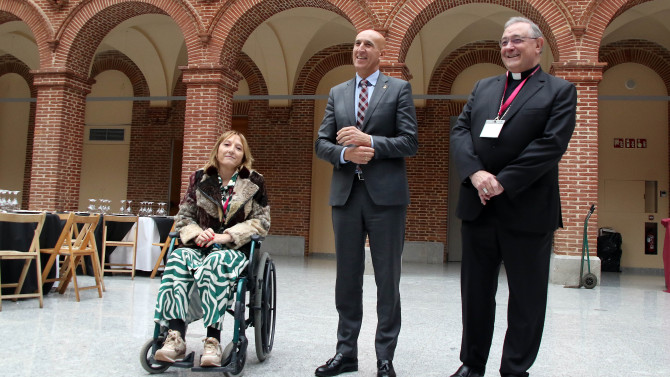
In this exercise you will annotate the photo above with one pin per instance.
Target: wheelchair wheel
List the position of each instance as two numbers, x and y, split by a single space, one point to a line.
266 301
146 354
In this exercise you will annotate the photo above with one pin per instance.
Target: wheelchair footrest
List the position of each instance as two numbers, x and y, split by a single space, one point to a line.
187 362
221 369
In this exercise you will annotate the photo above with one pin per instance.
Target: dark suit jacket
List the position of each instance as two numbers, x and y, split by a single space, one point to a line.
391 120
524 158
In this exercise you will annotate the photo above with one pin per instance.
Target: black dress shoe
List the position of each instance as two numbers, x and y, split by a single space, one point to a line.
385 368
466 371
338 364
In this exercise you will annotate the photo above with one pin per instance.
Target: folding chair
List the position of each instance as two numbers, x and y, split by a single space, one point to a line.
67 233
32 253
73 250
119 267
164 248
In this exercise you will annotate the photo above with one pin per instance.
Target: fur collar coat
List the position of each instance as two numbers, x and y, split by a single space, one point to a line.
201 208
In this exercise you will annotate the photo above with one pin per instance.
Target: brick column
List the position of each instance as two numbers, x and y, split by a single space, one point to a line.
150 151
58 139
209 110
578 172
30 140
395 69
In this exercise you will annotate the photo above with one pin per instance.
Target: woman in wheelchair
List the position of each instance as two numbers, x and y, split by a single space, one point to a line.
225 204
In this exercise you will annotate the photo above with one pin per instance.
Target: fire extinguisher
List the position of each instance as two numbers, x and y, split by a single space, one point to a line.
651 242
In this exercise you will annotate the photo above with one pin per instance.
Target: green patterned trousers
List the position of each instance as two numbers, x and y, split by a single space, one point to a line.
215 276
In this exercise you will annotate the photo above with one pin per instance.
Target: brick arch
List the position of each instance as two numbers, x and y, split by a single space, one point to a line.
34 17
253 13
411 18
597 16
318 65
649 54
116 60
250 71
11 64
257 85
7 17
89 22
466 56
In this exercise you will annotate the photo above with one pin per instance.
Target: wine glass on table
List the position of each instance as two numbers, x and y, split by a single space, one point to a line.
92 206
14 203
3 200
161 209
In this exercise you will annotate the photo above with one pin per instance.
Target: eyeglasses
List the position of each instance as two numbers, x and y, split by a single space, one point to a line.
515 41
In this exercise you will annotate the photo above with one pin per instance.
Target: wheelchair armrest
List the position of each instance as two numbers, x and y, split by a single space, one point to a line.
255 238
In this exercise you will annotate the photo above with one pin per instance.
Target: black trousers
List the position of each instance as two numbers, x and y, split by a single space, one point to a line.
385 227
526 258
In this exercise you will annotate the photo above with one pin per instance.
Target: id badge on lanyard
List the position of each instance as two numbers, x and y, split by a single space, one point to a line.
492 128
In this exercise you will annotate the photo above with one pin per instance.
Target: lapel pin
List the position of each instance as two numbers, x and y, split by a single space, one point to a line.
384 86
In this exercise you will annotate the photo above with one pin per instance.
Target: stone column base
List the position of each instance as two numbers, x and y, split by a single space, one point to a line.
413 252
564 269
293 246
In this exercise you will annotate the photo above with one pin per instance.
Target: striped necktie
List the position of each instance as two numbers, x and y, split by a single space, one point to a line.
362 103
360 114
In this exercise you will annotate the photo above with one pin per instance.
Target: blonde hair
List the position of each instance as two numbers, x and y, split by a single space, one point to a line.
247 159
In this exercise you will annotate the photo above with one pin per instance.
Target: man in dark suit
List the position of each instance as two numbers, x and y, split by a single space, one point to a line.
506 145
368 129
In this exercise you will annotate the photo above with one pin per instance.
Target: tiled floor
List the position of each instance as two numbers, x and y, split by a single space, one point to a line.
620 328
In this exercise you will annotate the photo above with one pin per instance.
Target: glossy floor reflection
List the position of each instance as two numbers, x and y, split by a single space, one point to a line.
620 328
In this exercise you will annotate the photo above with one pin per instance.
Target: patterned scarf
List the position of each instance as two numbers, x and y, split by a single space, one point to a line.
227 192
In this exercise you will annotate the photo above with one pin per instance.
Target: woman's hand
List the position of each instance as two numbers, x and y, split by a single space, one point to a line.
208 238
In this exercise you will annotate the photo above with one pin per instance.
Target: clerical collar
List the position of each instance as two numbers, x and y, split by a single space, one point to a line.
522 75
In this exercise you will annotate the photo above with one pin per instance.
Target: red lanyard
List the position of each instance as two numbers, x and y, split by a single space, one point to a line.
505 106
225 205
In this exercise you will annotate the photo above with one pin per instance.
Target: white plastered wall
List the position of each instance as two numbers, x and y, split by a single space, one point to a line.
104 167
13 132
623 171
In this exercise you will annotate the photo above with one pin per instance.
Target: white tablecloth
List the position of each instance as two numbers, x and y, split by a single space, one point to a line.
147 254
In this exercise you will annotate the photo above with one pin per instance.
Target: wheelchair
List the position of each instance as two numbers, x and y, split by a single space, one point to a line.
258 281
